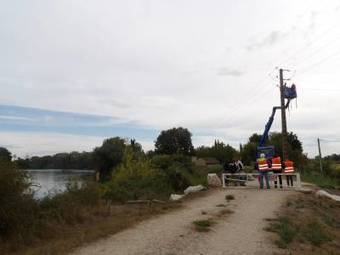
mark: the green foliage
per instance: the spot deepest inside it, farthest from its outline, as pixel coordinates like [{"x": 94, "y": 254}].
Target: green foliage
[
  {"x": 174, "y": 141},
  {"x": 17, "y": 208},
  {"x": 220, "y": 151},
  {"x": 330, "y": 178},
  {"x": 333, "y": 157},
  {"x": 135, "y": 179},
  {"x": 23, "y": 218},
  {"x": 109, "y": 155},
  {"x": 69, "y": 206},
  {"x": 295, "y": 151},
  {"x": 294, "y": 147},
  {"x": 285, "y": 229},
  {"x": 248, "y": 153},
  {"x": 5, "y": 154},
  {"x": 179, "y": 170},
  {"x": 73, "y": 160}
]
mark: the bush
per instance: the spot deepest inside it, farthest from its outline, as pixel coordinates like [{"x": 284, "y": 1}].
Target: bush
[
  {"x": 179, "y": 170},
  {"x": 58, "y": 207},
  {"x": 136, "y": 179},
  {"x": 17, "y": 207}
]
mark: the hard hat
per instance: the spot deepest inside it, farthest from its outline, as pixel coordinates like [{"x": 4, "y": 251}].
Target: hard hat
[{"x": 262, "y": 155}]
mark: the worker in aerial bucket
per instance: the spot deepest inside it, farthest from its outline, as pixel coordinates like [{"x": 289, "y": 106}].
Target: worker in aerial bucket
[{"x": 263, "y": 168}]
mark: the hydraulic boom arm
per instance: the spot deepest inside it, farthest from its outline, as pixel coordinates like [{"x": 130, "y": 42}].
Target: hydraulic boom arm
[{"x": 264, "y": 136}]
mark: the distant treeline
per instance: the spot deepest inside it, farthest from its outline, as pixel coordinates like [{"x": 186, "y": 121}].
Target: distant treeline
[
  {"x": 73, "y": 160},
  {"x": 333, "y": 157}
]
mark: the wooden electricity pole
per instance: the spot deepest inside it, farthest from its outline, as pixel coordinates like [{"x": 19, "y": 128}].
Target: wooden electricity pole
[
  {"x": 283, "y": 119},
  {"x": 320, "y": 157}
]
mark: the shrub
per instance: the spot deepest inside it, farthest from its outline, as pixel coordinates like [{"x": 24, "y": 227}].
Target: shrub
[
  {"x": 135, "y": 179},
  {"x": 17, "y": 207},
  {"x": 179, "y": 170}
]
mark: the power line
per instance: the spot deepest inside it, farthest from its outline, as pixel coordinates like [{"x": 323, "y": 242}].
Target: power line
[
  {"x": 309, "y": 68},
  {"x": 308, "y": 45}
]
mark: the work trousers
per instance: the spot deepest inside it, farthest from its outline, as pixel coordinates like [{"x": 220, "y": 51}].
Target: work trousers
[
  {"x": 280, "y": 181},
  {"x": 289, "y": 180},
  {"x": 266, "y": 177}
]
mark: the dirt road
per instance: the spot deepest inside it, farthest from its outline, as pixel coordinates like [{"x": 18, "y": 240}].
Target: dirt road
[{"x": 240, "y": 232}]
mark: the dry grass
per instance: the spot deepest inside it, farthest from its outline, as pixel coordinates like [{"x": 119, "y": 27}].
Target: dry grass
[
  {"x": 100, "y": 221},
  {"x": 224, "y": 212},
  {"x": 307, "y": 225},
  {"x": 203, "y": 225}
]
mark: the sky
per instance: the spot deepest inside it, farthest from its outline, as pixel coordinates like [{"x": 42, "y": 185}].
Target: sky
[{"x": 74, "y": 72}]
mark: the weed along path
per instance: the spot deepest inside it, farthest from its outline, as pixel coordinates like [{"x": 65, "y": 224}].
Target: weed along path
[{"x": 205, "y": 225}]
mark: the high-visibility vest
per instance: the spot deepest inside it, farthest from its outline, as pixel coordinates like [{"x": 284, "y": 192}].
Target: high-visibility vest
[
  {"x": 289, "y": 166},
  {"x": 262, "y": 164},
  {"x": 276, "y": 164}
]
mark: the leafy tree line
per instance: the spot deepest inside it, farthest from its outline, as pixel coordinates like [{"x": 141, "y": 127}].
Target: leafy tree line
[
  {"x": 169, "y": 142},
  {"x": 333, "y": 157},
  {"x": 295, "y": 150},
  {"x": 73, "y": 160}
]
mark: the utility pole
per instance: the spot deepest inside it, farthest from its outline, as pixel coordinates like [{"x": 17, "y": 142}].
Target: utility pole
[
  {"x": 283, "y": 119},
  {"x": 320, "y": 156}
]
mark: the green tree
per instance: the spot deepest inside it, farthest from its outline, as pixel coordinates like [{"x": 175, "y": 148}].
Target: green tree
[
  {"x": 295, "y": 150},
  {"x": 5, "y": 154},
  {"x": 108, "y": 156},
  {"x": 222, "y": 152},
  {"x": 174, "y": 141}
]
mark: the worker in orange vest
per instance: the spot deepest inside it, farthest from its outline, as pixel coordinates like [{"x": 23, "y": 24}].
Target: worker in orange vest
[
  {"x": 289, "y": 168},
  {"x": 263, "y": 168},
  {"x": 276, "y": 167}
]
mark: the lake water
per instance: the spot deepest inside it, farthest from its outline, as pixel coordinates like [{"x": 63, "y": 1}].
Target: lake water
[{"x": 53, "y": 181}]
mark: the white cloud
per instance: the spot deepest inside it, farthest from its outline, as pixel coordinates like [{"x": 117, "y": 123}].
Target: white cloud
[{"x": 154, "y": 62}]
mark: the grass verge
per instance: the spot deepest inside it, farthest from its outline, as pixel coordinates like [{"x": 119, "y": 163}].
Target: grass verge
[
  {"x": 59, "y": 237},
  {"x": 307, "y": 225}
]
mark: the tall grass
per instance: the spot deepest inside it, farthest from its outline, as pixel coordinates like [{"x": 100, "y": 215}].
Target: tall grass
[
  {"x": 329, "y": 178},
  {"x": 323, "y": 181}
]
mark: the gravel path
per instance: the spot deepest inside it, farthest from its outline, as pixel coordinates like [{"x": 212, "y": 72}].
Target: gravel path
[{"x": 240, "y": 232}]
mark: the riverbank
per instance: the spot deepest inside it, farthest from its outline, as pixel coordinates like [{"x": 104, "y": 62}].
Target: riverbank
[{"x": 76, "y": 217}]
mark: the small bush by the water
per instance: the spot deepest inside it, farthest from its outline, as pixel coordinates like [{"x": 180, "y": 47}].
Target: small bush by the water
[
  {"x": 23, "y": 219},
  {"x": 17, "y": 208}
]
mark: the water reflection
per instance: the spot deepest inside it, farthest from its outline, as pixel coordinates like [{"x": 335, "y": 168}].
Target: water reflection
[{"x": 53, "y": 181}]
